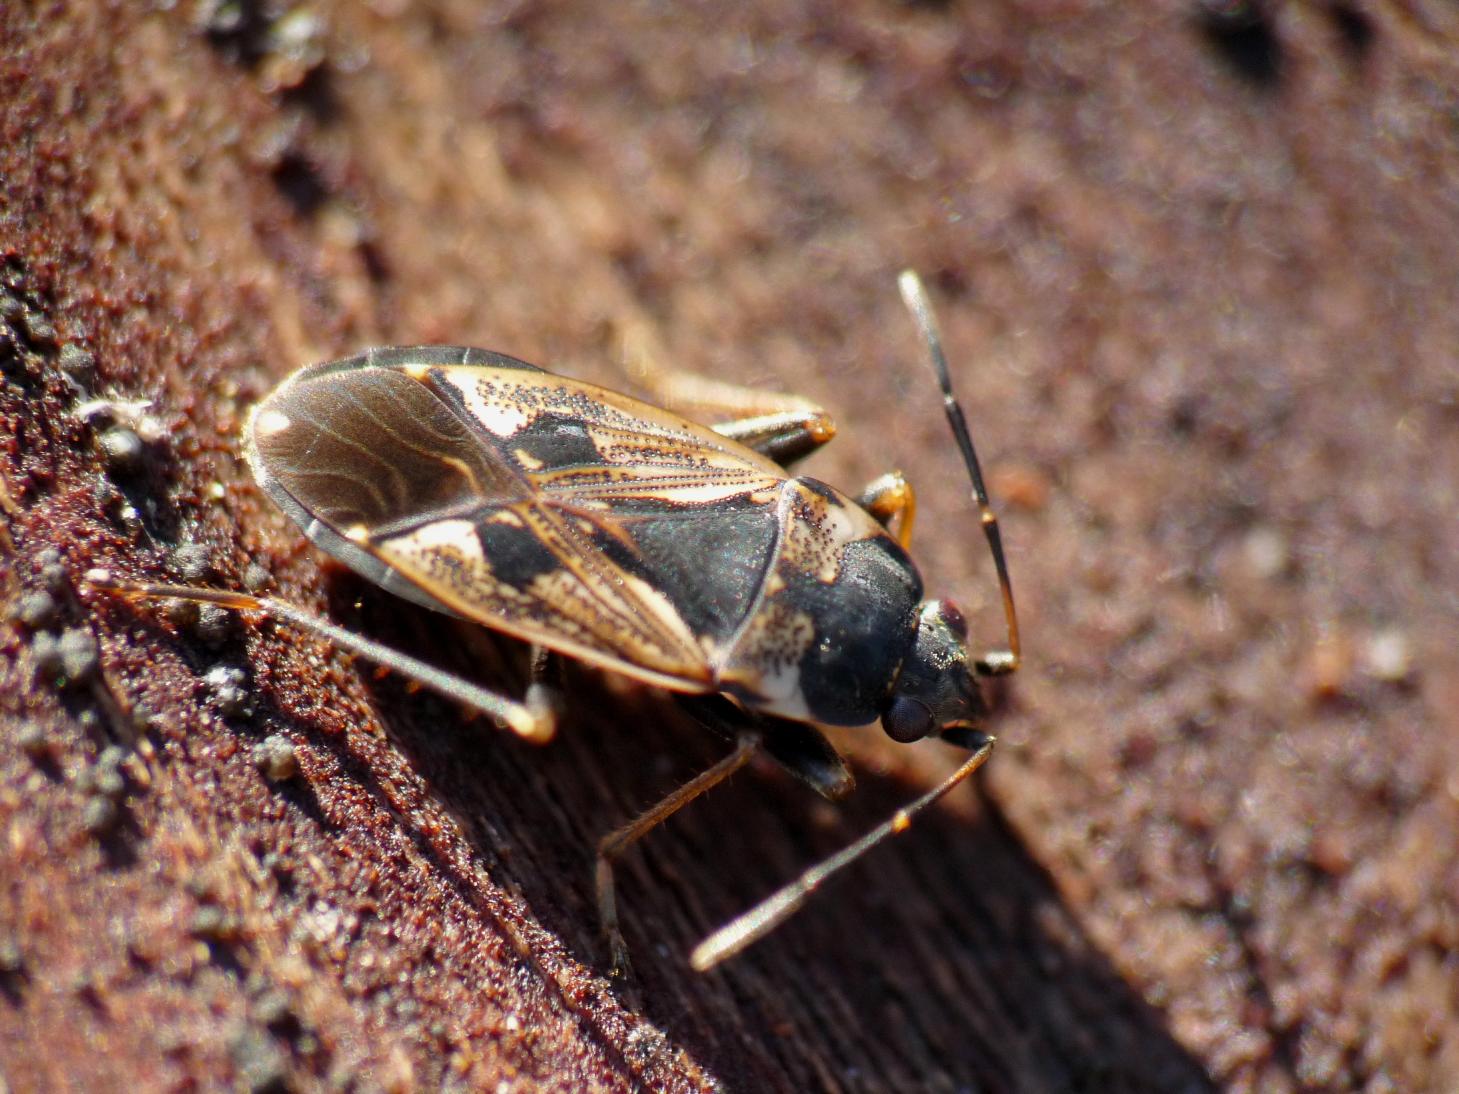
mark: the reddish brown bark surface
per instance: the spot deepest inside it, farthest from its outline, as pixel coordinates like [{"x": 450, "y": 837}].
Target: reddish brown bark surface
[{"x": 1197, "y": 275}]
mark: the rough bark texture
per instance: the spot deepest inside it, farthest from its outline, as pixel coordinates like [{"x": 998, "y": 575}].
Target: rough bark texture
[{"x": 1197, "y": 269}]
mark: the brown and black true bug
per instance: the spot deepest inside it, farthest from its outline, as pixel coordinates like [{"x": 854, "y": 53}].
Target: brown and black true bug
[{"x": 606, "y": 529}]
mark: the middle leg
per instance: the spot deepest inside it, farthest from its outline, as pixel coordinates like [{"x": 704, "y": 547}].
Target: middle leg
[{"x": 889, "y": 498}]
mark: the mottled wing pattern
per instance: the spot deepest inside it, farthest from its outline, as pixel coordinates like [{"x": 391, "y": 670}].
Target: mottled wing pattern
[{"x": 551, "y": 509}]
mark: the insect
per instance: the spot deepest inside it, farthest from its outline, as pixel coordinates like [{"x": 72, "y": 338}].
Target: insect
[{"x": 598, "y": 527}]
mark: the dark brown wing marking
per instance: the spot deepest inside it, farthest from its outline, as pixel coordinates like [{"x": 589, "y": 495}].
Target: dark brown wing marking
[{"x": 526, "y": 570}]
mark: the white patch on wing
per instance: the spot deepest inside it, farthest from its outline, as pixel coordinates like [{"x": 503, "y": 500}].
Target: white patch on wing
[
  {"x": 817, "y": 530},
  {"x": 701, "y": 492},
  {"x": 498, "y": 415},
  {"x": 457, "y": 537},
  {"x": 842, "y": 530}
]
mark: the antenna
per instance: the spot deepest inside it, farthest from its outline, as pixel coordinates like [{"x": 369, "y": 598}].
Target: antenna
[
  {"x": 995, "y": 662},
  {"x": 760, "y": 920}
]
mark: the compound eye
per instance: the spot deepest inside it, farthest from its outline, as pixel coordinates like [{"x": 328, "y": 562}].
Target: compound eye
[
  {"x": 907, "y": 720},
  {"x": 952, "y": 615}
]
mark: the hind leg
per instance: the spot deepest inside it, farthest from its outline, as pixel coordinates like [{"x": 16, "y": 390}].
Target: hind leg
[
  {"x": 783, "y": 427},
  {"x": 615, "y": 843}
]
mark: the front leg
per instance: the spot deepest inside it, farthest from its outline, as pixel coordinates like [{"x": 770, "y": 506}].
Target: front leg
[
  {"x": 798, "y": 747},
  {"x": 785, "y": 436},
  {"x": 889, "y": 498}
]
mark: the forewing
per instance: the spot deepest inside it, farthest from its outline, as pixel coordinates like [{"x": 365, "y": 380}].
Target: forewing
[{"x": 471, "y": 482}]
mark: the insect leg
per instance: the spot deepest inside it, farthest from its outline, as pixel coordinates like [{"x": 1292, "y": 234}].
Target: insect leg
[
  {"x": 783, "y": 427},
  {"x": 889, "y": 498},
  {"x": 798, "y": 747},
  {"x": 611, "y": 846},
  {"x": 784, "y": 436},
  {"x": 534, "y": 721},
  {"x": 544, "y": 688},
  {"x": 775, "y": 909}
]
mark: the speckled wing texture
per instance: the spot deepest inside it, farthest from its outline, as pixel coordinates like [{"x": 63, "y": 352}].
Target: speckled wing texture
[{"x": 591, "y": 523}]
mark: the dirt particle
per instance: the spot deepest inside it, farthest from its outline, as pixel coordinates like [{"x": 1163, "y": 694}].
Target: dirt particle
[
  {"x": 1021, "y": 485},
  {"x": 1328, "y": 666},
  {"x": 193, "y": 563},
  {"x": 214, "y": 923},
  {"x": 262, "y": 1065},
  {"x": 78, "y": 365},
  {"x": 1267, "y": 553},
  {"x": 36, "y": 610},
  {"x": 214, "y": 624},
  {"x": 108, "y": 779},
  {"x": 229, "y": 688},
  {"x": 12, "y": 961},
  {"x": 52, "y": 570},
  {"x": 1388, "y": 656},
  {"x": 34, "y": 741},
  {"x": 38, "y": 328},
  {"x": 99, "y": 815},
  {"x": 122, "y": 449},
  {"x": 276, "y": 758},
  {"x": 68, "y": 660}
]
